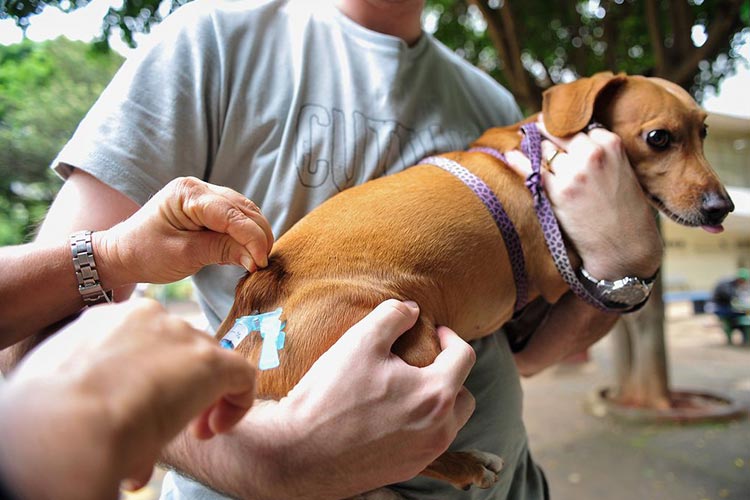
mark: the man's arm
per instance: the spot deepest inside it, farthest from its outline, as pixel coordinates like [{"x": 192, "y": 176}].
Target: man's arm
[
  {"x": 604, "y": 213},
  {"x": 53, "y": 403},
  {"x": 186, "y": 225},
  {"x": 38, "y": 287},
  {"x": 570, "y": 327}
]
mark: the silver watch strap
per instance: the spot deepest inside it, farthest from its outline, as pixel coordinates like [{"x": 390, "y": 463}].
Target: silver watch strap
[{"x": 89, "y": 285}]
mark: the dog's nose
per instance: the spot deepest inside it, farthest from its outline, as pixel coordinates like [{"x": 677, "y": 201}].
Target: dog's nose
[{"x": 716, "y": 206}]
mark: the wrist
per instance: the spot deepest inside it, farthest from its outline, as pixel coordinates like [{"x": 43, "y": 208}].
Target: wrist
[
  {"x": 608, "y": 266},
  {"x": 637, "y": 256},
  {"x": 114, "y": 271}
]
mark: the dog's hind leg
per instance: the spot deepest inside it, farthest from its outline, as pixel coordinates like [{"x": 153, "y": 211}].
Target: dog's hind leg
[
  {"x": 464, "y": 469},
  {"x": 419, "y": 346}
]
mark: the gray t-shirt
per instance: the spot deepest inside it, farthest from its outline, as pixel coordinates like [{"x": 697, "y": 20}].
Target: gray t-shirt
[{"x": 290, "y": 102}]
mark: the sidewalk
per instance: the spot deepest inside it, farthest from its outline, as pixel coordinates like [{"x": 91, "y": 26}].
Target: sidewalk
[{"x": 586, "y": 457}]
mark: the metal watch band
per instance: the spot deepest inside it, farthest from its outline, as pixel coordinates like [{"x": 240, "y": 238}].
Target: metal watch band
[
  {"x": 89, "y": 285},
  {"x": 627, "y": 294}
]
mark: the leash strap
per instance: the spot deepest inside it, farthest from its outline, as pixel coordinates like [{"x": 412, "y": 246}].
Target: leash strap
[
  {"x": 503, "y": 222},
  {"x": 531, "y": 146},
  {"x": 490, "y": 151}
]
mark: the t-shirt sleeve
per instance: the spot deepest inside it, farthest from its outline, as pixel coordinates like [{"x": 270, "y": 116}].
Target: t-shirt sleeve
[{"x": 159, "y": 118}]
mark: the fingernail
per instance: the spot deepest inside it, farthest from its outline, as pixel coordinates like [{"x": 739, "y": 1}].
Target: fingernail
[
  {"x": 411, "y": 304},
  {"x": 247, "y": 263},
  {"x": 130, "y": 485}
]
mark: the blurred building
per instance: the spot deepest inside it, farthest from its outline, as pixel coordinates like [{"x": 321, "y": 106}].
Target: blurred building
[{"x": 696, "y": 259}]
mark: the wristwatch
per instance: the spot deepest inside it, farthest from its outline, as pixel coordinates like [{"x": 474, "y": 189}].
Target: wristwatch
[
  {"x": 89, "y": 285},
  {"x": 625, "y": 295}
]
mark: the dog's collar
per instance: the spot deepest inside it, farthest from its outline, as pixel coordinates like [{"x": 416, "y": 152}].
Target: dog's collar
[
  {"x": 531, "y": 146},
  {"x": 503, "y": 222}
]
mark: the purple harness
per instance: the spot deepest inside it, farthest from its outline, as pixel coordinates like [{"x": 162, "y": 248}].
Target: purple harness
[
  {"x": 531, "y": 146},
  {"x": 503, "y": 222}
]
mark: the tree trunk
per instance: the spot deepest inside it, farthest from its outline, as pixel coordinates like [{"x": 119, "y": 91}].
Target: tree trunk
[{"x": 641, "y": 357}]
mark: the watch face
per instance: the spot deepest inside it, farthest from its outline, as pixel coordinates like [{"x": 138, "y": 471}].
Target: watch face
[{"x": 629, "y": 293}]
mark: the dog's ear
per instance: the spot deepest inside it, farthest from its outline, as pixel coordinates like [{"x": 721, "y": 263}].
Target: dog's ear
[{"x": 569, "y": 107}]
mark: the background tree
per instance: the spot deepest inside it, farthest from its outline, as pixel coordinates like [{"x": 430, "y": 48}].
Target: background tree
[
  {"x": 532, "y": 44},
  {"x": 529, "y": 46},
  {"x": 45, "y": 90}
]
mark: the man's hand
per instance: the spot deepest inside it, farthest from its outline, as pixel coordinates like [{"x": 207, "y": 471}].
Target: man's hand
[
  {"x": 360, "y": 405},
  {"x": 112, "y": 389},
  {"x": 359, "y": 419},
  {"x": 599, "y": 203},
  {"x": 187, "y": 225}
]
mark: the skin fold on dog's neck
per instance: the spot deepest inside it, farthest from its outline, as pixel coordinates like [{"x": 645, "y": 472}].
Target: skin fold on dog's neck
[{"x": 400, "y": 18}]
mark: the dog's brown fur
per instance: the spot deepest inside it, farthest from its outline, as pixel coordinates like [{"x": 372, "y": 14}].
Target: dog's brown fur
[{"x": 422, "y": 235}]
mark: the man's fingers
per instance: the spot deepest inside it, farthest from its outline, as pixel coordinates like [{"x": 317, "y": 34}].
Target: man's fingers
[
  {"x": 560, "y": 142},
  {"x": 140, "y": 477},
  {"x": 232, "y": 393},
  {"x": 248, "y": 207},
  {"x": 387, "y": 322},
  {"x": 228, "y": 411},
  {"x": 208, "y": 208},
  {"x": 464, "y": 407},
  {"x": 518, "y": 162},
  {"x": 457, "y": 357}
]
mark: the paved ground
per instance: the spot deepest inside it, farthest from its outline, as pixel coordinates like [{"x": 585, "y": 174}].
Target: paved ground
[
  {"x": 590, "y": 458},
  {"x": 586, "y": 457}
]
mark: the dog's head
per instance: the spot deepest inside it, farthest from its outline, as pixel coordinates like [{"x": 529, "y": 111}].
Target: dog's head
[{"x": 662, "y": 129}]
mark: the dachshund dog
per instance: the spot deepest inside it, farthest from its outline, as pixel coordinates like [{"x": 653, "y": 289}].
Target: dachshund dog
[{"x": 422, "y": 235}]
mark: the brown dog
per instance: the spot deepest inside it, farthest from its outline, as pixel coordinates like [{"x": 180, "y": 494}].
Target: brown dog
[{"x": 405, "y": 236}]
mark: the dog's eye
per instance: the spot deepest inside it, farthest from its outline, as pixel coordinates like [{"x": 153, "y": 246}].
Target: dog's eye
[
  {"x": 659, "y": 139},
  {"x": 704, "y": 131}
]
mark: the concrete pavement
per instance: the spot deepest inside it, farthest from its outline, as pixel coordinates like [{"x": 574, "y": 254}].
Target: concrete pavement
[{"x": 586, "y": 457}]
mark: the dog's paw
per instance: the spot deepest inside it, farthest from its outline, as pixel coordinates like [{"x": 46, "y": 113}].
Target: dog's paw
[
  {"x": 464, "y": 469},
  {"x": 491, "y": 465}
]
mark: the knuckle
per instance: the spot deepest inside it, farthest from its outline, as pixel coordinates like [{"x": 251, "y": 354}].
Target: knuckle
[
  {"x": 614, "y": 141},
  {"x": 145, "y": 308},
  {"x": 439, "y": 403},
  {"x": 397, "y": 305},
  {"x": 147, "y": 304},
  {"x": 250, "y": 205},
  {"x": 205, "y": 352},
  {"x": 469, "y": 356},
  {"x": 235, "y": 216},
  {"x": 597, "y": 155},
  {"x": 184, "y": 184}
]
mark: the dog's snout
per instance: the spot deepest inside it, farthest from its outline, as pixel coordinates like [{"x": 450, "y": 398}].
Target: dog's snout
[{"x": 716, "y": 206}]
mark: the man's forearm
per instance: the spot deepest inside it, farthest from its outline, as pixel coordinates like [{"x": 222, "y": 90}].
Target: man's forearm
[
  {"x": 570, "y": 327},
  {"x": 242, "y": 463},
  {"x": 38, "y": 289}
]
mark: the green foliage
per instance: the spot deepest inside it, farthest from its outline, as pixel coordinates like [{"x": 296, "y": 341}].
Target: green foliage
[
  {"x": 45, "y": 90},
  {"x": 559, "y": 41},
  {"x": 179, "y": 291},
  {"x": 133, "y": 16}
]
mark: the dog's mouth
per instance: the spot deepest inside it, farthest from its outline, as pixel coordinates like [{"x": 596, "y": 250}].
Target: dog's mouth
[{"x": 692, "y": 221}]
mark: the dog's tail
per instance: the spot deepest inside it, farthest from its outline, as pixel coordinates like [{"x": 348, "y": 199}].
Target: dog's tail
[{"x": 261, "y": 291}]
